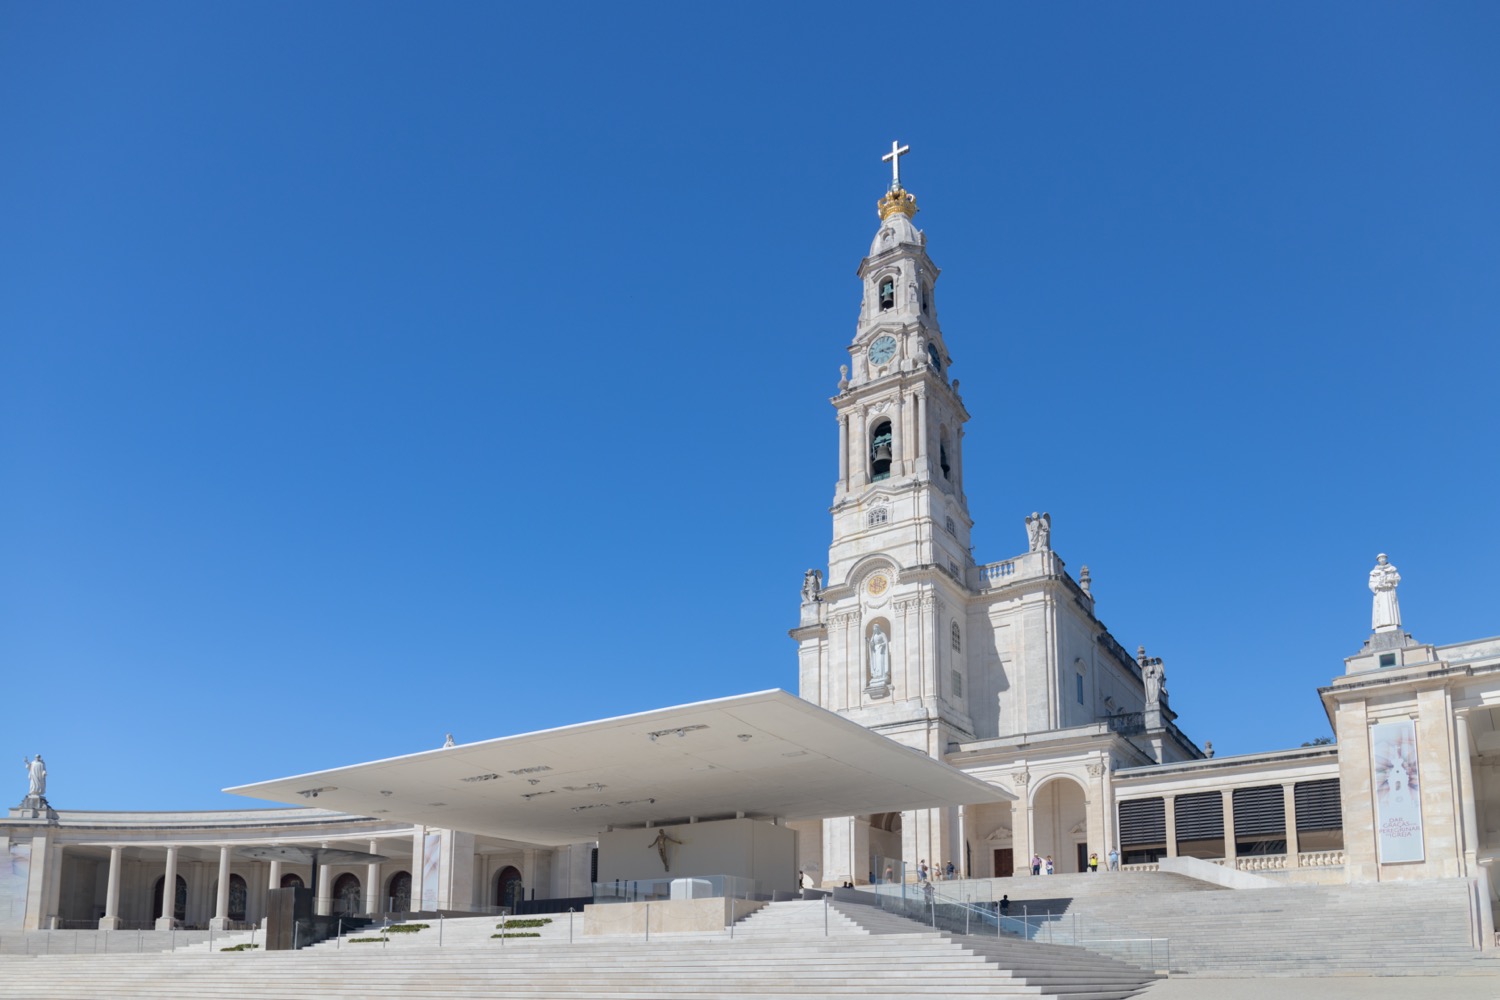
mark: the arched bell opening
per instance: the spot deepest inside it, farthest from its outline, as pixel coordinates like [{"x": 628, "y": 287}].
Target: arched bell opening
[
  {"x": 887, "y": 292},
  {"x": 943, "y": 461},
  {"x": 880, "y": 452}
]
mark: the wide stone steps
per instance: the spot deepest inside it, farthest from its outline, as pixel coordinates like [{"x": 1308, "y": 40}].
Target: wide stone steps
[{"x": 898, "y": 960}]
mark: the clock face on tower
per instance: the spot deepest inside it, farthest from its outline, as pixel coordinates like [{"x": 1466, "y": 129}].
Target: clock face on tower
[{"x": 882, "y": 350}]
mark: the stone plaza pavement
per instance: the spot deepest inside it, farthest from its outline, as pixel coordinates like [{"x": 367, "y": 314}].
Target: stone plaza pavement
[{"x": 1327, "y": 988}]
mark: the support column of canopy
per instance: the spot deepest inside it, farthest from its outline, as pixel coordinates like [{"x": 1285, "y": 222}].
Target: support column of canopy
[
  {"x": 1021, "y": 839},
  {"x": 1467, "y": 793},
  {"x": 168, "y": 892},
  {"x": 323, "y": 904},
  {"x": 220, "y": 919},
  {"x": 372, "y": 884},
  {"x": 111, "y": 919}
]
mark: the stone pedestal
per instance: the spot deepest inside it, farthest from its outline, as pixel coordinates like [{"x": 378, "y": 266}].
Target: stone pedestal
[{"x": 34, "y": 807}]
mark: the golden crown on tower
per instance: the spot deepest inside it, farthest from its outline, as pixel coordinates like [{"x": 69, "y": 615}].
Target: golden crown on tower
[{"x": 897, "y": 199}]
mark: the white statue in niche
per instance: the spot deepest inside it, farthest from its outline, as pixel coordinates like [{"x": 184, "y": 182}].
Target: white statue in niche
[
  {"x": 1386, "y": 614},
  {"x": 1039, "y": 531},
  {"x": 880, "y": 657}
]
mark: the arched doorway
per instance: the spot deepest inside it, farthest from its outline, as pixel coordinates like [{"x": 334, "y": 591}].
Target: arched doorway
[
  {"x": 509, "y": 890},
  {"x": 346, "y": 894},
  {"x": 885, "y": 847},
  {"x": 398, "y": 892},
  {"x": 290, "y": 881},
  {"x": 179, "y": 908},
  {"x": 239, "y": 898},
  {"x": 1059, "y": 823}
]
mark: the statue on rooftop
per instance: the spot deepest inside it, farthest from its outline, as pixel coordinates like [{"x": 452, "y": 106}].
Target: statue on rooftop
[
  {"x": 1385, "y": 616},
  {"x": 1039, "y": 531},
  {"x": 36, "y": 772}
]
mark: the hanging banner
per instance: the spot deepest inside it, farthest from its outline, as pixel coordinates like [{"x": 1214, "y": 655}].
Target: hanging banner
[
  {"x": 1398, "y": 791},
  {"x": 432, "y": 854}
]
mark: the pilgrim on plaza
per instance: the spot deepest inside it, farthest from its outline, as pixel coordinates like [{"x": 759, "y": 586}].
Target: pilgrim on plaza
[{"x": 948, "y": 711}]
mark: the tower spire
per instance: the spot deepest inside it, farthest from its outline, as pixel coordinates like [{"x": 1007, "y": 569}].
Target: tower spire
[{"x": 897, "y": 199}]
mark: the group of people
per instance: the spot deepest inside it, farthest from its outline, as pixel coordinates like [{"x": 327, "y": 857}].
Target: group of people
[{"x": 1041, "y": 865}]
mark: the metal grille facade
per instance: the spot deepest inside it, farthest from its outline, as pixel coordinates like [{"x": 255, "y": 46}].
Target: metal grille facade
[
  {"x": 1142, "y": 821},
  {"x": 1200, "y": 816},
  {"x": 1259, "y": 810},
  {"x": 1318, "y": 806}
]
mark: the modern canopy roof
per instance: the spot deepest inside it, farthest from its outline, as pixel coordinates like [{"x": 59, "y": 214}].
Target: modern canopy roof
[{"x": 769, "y": 754}]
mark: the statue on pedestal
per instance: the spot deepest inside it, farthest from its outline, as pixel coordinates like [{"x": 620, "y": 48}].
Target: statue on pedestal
[
  {"x": 1385, "y": 616},
  {"x": 1039, "y": 532},
  {"x": 36, "y": 773},
  {"x": 812, "y": 586},
  {"x": 880, "y": 658}
]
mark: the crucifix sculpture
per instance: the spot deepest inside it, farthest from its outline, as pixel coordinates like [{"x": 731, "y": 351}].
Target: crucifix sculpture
[
  {"x": 894, "y": 157},
  {"x": 660, "y": 843}
]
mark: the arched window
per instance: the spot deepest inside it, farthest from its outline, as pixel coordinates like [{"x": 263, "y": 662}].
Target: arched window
[
  {"x": 880, "y": 452},
  {"x": 887, "y": 292},
  {"x": 924, "y": 293},
  {"x": 509, "y": 890},
  {"x": 935, "y": 358},
  {"x": 290, "y": 881},
  {"x": 346, "y": 894},
  {"x": 239, "y": 895},
  {"x": 949, "y": 525},
  {"x": 398, "y": 892},
  {"x": 943, "y": 454},
  {"x": 880, "y": 515},
  {"x": 956, "y": 636}
]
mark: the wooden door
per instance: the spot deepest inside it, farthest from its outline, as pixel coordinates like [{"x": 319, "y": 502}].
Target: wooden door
[{"x": 1005, "y": 862}]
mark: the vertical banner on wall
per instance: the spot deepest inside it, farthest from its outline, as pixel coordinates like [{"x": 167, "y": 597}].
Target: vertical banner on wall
[
  {"x": 15, "y": 871},
  {"x": 432, "y": 854},
  {"x": 1398, "y": 792}
]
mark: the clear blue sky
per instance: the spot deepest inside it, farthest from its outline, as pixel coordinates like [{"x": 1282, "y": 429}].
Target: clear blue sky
[{"x": 375, "y": 371}]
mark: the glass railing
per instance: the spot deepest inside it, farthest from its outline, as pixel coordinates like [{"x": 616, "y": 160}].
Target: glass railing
[{"x": 684, "y": 887}]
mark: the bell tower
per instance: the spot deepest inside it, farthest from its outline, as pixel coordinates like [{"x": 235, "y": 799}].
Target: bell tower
[{"x": 882, "y": 643}]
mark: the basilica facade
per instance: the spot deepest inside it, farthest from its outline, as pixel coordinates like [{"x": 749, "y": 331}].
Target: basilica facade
[{"x": 1000, "y": 669}]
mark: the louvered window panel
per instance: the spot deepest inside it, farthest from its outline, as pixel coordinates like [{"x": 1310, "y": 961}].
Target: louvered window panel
[
  {"x": 1142, "y": 821},
  {"x": 1200, "y": 817},
  {"x": 1318, "y": 805},
  {"x": 1259, "y": 810}
]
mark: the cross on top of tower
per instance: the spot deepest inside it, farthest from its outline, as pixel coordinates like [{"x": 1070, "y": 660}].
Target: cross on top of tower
[{"x": 894, "y": 157}]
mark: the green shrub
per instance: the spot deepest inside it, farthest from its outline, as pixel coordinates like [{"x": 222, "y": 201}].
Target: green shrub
[
  {"x": 406, "y": 928},
  {"x": 364, "y": 940},
  {"x": 247, "y": 946},
  {"x": 525, "y": 922},
  {"x": 517, "y": 934}
]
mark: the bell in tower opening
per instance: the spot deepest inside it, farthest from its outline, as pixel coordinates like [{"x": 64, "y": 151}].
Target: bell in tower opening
[
  {"x": 880, "y": 452},
  {"x": 887, "y": 293}
]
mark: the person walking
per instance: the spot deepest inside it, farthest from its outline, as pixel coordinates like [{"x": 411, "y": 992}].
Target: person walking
[
  {"x": 1049, "y": 864},
  {"x": 1036, "y": 864},
  {"x": 1094, "y": 863},
  {"x": 1005, "y": 905},
  {"x": 1114, "y": 859},
  {"x": 922, "y": 871},
  {"x": 950, "y": 871}
]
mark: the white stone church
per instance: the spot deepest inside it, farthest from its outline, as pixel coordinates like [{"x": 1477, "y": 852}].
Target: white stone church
[{"x": 998, "y": 670}]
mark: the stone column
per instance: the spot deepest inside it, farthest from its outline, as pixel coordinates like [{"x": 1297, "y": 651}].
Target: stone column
[
  {"x": 111, "y": 919},
  {"x": 221, "y": 897},
  {"x": 168, "y": 892},
  {"x": 1096, "y": 811},
  {"x": 1289, "y": 809},
  {"x": 1229, "y": 851},
  {"x": 1467, "y": 794},
  {"x": 372, "y": 883},
  {"x": 843, "y": 452},
  {"x": 859, "y": 473},
  {"x": 1169, "y": 812},
  {"x": 323, "y": 905},
  {"x": 274, "y": 880},
  {"x": 921, "y": 426},
  {"x": 1021, "y": 839}
]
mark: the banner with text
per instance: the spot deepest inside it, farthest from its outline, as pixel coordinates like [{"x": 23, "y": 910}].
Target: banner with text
[{"x": 1398, "y": 791}]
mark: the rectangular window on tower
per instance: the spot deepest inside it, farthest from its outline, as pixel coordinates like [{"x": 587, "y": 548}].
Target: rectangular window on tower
[
  {"x": 958, "y": 684},
  {"x": 1079, "y": 678}
]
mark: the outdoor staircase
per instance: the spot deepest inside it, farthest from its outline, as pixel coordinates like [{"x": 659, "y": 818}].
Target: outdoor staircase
[
  {"x": 1408, "y": 928},
  {"x": 780, "y": 951}
]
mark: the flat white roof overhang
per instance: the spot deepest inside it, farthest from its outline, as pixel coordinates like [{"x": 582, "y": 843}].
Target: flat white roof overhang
[{"x": 764, "y": 755}]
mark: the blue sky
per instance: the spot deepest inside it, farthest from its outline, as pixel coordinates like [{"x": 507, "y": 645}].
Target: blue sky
[{"x": 374, "y": 371}]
